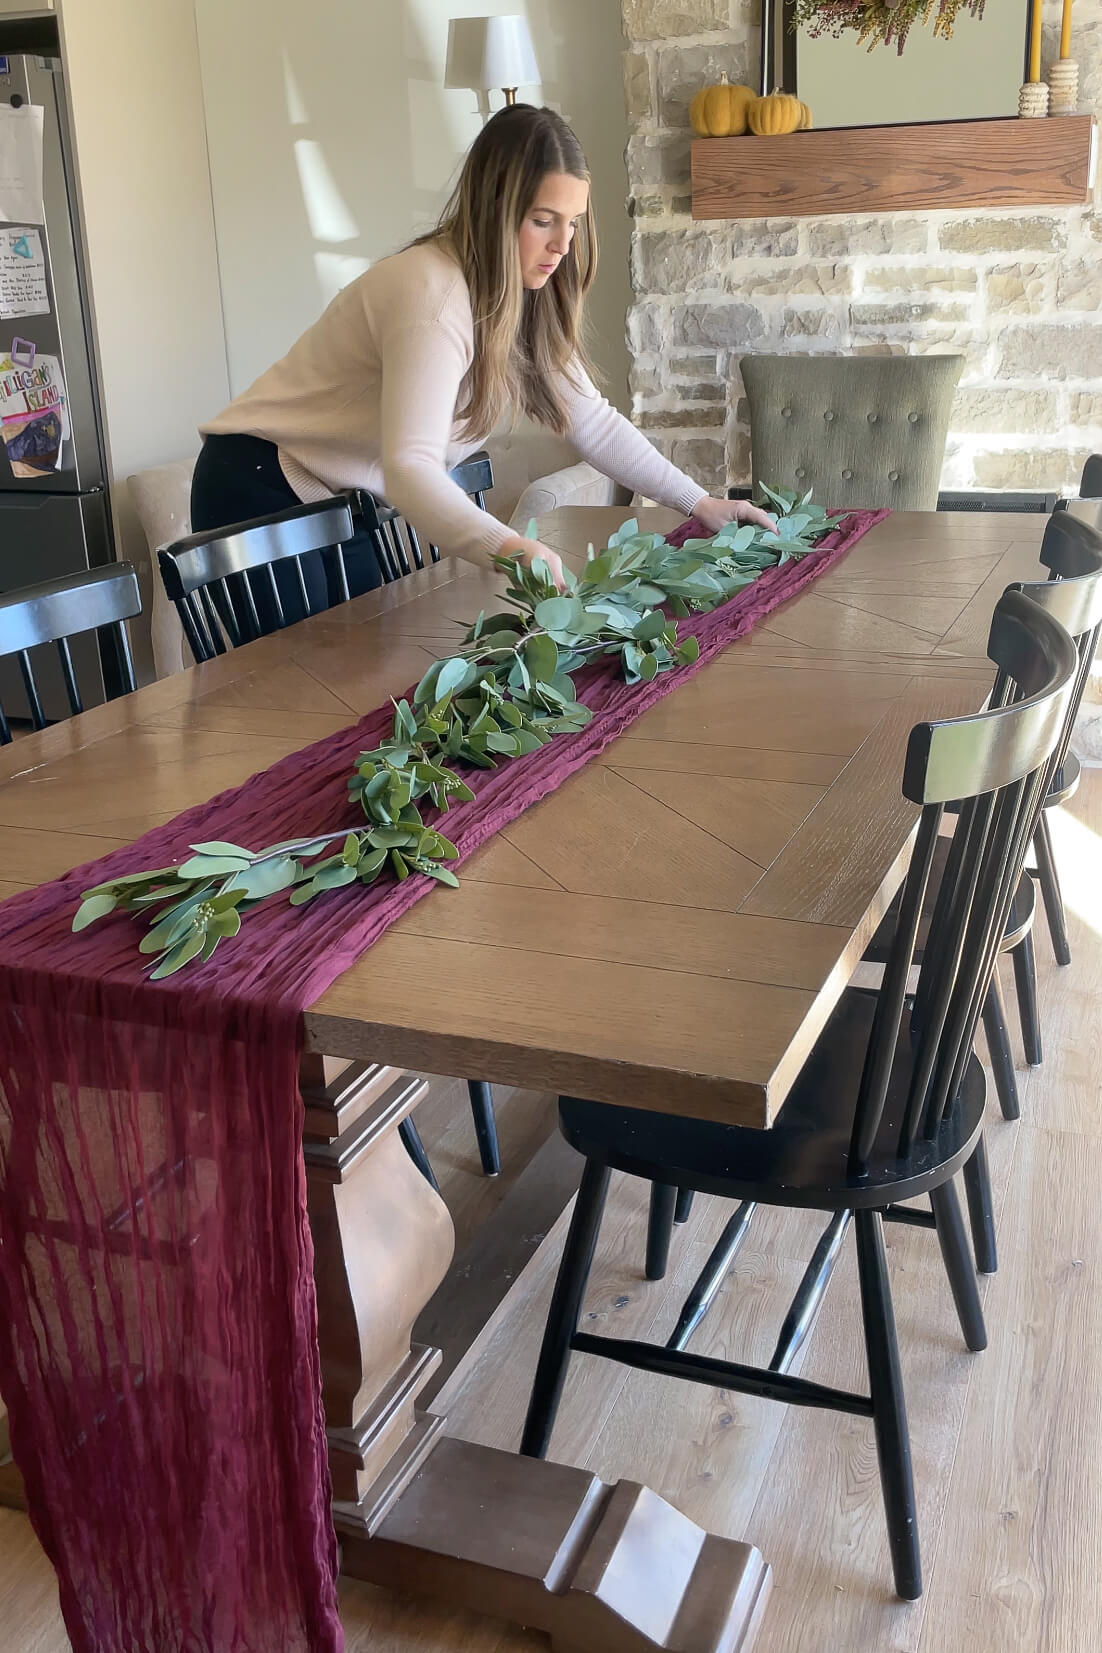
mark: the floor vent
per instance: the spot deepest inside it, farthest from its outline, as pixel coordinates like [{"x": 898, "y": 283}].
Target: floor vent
[{"x": 1042, "y": 504}]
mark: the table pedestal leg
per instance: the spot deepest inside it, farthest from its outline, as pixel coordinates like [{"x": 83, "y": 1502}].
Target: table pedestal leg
[{"x": 604, "y": 1569}]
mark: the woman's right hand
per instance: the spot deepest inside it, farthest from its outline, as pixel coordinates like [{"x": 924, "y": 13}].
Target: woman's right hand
[{"x": 526, "y": 552}]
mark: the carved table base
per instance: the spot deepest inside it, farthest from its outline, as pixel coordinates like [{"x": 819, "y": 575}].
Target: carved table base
[{"x": 604, "y": 1569}]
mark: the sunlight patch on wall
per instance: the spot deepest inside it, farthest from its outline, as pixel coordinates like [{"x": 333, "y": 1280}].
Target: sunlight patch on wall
[
  {"x": 330, "y": 219},
  {"x": 297, "y": 112}
]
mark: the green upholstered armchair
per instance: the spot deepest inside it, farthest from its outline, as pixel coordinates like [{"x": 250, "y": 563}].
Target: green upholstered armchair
[{"x": 863, "y": 431}]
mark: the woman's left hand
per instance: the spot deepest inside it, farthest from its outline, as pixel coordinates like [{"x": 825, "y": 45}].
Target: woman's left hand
[{"x": 714, "y": 514}]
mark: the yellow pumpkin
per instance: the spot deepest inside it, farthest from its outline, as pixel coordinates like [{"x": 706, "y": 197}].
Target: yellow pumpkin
[
  {"x": 806, "y": 122},
  {"x": 720, "y": 111},
  {"x": 779, "y": 112}
]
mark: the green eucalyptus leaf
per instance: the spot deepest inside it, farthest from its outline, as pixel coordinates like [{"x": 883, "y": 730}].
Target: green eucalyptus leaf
[
  {"x": 233, "y": 850},
  {"x": 167, "y": 933},
  {"x": 176, "y": 957},
  {"x": 404, "y": 721},
  {"x": 225, "y": 899},
  {"x": 397, "y": 861},
  {"x": 225, "y": 925},
  {"x": 334, "y": 878},
  {"x": 212, "y": 866},
  {"x": 268, "y": 878},
  {"x": 557, "y": 613},
  {"x": 649, "y": 627},
  {"x": 425, "y": 693},
  {"x": 93, "y": 907},
  {"x": 390, "y": 837},
  {"x": 456, "y": 675},
  {"x": 443, "y": 875},
  {"x": 541, "y": 656}
]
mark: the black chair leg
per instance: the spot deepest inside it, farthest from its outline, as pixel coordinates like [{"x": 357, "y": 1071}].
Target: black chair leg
[
  {"x": 485, "y": 1125},
  {"x": 981, "y": 1211},
  {"x": 959, "y": 1265},
  {"x": 663, "y": 1205},
  {"x": 893, "y": 1447},
  {"x": 1049, "y": 880},
  {"x": 566, "y": 1305},
  {"x": 415, "y": 1148},
  {"x": 1025, "y": 981},
  {"x": 998, "y": 1047},
  {"x": 682, "y": 1211}
]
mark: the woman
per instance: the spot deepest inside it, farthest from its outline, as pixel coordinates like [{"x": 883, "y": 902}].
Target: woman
[{"x": 413, "y": 364}]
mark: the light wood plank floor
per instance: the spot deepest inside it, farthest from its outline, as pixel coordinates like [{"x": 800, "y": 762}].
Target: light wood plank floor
[{"x": 1007, "y": 1443}]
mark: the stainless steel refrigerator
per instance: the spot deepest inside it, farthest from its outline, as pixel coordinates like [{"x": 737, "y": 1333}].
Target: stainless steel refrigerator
[{"x": 54, "y": 508}]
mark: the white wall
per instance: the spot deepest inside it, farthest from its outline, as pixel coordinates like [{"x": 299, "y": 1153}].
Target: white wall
[
  {"x": 134, "y": 87},
  {"x": 133, "y": 68},
  {"x": 332, "y": 141}
]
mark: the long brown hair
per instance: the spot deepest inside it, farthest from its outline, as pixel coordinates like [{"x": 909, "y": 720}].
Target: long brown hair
[{"x": 523, "y": 339}]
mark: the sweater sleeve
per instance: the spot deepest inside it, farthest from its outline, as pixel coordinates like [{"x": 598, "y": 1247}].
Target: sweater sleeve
[
  {"x": 614, "y": 446},
  {"x": 423, "y": 366}
]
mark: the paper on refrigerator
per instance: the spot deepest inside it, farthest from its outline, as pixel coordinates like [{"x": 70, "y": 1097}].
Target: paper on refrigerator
[
  {"x": 21, "y": 164},
  {"x": 23, "y": 289},
  {"x": 34, "y": 415}
]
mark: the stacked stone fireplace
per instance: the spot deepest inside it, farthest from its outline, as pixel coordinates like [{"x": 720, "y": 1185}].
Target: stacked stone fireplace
[{"x": 1018, "y": 294}]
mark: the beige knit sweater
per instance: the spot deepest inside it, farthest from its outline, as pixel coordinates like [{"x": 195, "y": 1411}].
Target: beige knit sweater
[{"x": 367, "y": 399}]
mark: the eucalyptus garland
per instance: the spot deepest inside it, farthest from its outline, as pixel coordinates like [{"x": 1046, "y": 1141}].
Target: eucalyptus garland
[
  {"x": 506, "y": 691},
  {"x": 886, "y": 22}
]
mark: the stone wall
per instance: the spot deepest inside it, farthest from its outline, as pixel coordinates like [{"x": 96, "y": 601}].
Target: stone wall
[{"x": 1018, "y": 294}]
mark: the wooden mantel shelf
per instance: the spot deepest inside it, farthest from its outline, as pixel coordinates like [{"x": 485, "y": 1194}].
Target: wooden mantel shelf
[{"x": 999, "y": 163}]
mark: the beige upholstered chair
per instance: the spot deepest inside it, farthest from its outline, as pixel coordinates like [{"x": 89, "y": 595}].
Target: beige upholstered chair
[
  {"x": 534, "y": 472},
  {"x": 862, "y": 431}
]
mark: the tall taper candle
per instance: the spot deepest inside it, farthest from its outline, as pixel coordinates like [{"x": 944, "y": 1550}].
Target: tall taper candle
[
  {"x": 1035, "y": 44},
  {"x": 1065, "y": 30}
]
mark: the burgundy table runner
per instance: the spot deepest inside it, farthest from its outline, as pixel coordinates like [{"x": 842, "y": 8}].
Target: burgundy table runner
[{"x": 158, "y": 1340}]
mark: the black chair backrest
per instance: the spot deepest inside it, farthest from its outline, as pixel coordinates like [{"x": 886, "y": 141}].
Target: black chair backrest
[
  {"x": 396, "y": 543},
  {"x": 204, "y": 574},
  {"x": 996, "y": 765},
  {"x": 1072, "y": 594},
  {"x": 59, "y": 609},
  {"x": 1090, "y": 483},
  {"x": 1069, "y": 545}
]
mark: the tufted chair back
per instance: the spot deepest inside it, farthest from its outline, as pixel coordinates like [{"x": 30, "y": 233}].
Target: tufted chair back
[{"x": 863, "y": 431}]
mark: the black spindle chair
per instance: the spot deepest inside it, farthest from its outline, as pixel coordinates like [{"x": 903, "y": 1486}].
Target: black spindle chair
[
  {"x": 396, "y": 542},
  {"x": 57, "y": 610},
  {"x": 205, "y": 577},
  {"x": 1090, "y": 483},
  {"x": 1070, "y": 550},
  {"x": 889, "y": 1105}
]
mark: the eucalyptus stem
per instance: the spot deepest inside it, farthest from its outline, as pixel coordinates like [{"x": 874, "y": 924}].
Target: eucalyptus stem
[{"x": 506, "y": 692}]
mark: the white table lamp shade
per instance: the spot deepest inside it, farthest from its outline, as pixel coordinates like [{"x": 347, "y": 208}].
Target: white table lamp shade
[{"x": 488, "y": 53}]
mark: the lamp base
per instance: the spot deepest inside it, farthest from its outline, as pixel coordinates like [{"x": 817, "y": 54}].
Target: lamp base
[
  {"x": 1063, "y": 80},
  {"x": 1033, "y": 100},
  {"x": 510, "y": 96}
]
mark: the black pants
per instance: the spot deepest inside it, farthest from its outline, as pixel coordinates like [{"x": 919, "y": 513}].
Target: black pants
[{"x": 239, "y": 477}]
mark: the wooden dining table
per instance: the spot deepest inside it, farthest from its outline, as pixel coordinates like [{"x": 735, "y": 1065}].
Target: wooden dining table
[{"x": 670, "y": 929}]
